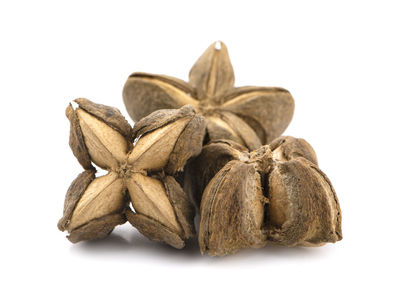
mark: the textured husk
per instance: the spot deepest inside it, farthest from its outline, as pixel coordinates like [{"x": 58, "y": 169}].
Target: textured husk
[
  {"x": 219, "y": 129},
  {"x": 203, "y": 168},
  {"x": 91, "y": 210},
  {"x": 106, "y": 146},
  {"x": 177, "y": 83},
  {"x": 97, "y": 228},
  {"x": 267, "y": 110},
  {"x": 304, "y": 209},
  {"x": 103, "y": 196},
  {"x": 188, "y": 145},
  {"x": 247, "y": 135},
  {"x": 153, "y": 149},
  {"x": 288, "y": 148},
  {"x": 251, "y": 116},
  {"x": 100, "y": 224},
  {"x": 154, "y": 230},
  {"x": 155, "y": 92},
  {"x": 173, "y": 135},
  {"x": 212, "y": 74},
  {"x": 74, "y": 193},
  {"x": 109, "y": 115},
  {"x": 300, "y": 204},
  {"x": 76, "y": 141},
  {"x": 183, "y": 208},
  {"x": 311, "y": 214},
  {"x": 163, "y": 201},
  {"x": 232, "y": 211},
  {"x": 160, "y": 118},
  {"x": 166, "y": 140},
  {"x": 149, "y": 198}
]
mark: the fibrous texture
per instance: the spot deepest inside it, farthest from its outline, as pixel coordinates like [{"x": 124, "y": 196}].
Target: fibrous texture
[
  {"x": 250, "y": 116},
  {"x": 250, "y": 186},
  {"x": 142, "y": 175},
  {"x": 276, "y": 194}
]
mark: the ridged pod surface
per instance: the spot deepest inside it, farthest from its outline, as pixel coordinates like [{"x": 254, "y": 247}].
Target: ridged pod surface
[
  {"x": 251, "y": 116},
  {"x": 142, "y": 174},
  {"x": 275, "y": 194}
]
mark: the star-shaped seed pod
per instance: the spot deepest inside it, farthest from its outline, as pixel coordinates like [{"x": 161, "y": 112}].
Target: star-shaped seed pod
[
  {"x": 251, "y": 116},
  {"x": 275, "y": 194},
  {"x": 144, "y": 175}
]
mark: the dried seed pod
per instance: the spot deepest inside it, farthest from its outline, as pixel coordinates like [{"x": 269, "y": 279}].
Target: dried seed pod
[
  {"x": 103, "y": 196},
  {"x": 109, "y": 115},
  {"x": 277, "y": 193},
  {"x": 142, "y": 175},
  {"x": 288, "y": 148},
  {"x": 163, "y": 212},
  {"x": 232, "y": 211},
  {"x": 303, "y": 209},
  {"x": 251, "y": 116},
  {"x": 154, "y": 230},
  {"x": 172, "y": 135},
  {"x": 106, "y": 146},
  {"x": 74, "y": 193},
  {"x": 76, "y": 141},
  {"x": 168, "y": 138},
  {"x": 212, "y": 159}
]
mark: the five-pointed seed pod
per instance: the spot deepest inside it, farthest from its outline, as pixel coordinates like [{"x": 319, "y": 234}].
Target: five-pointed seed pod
[
  {"x": 143, "y": 175},
  {"x": 251, "y": 116},
  {"x": 276, "y": 193}
]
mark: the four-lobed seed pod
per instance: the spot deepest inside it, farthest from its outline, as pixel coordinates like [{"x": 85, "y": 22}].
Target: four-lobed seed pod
[
  {"x": 144, "y": 174},
  {"x": 248, "y": 115},
  {"x": 274, "y": 194}
]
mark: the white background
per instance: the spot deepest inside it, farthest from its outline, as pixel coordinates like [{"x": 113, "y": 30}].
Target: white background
[{"x": 339, "y": 59}]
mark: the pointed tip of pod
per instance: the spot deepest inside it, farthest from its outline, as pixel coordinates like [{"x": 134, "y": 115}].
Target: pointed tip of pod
[
  {"x": 69, "y": 111},
  {"x": 76, "y": 140},
  {"x": 81, "y": 100},
  {"x": 288, "y": 148},
  {"x": 160, "y": 118},
  {"x": 154, "y": 230},
  {"x": 219, "y": 45},
  {"x": 108, "y": 114},
  {"x": 212, "y": 74},
  {"x": 187, "y": 109},
  {"x": 96, "y": 229}
]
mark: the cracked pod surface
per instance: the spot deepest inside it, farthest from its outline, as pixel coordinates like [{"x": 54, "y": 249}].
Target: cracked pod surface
[
  {"x": 143, "y": 175},
  {"x": 248, "y": 115},
  {"x": 276, "y": 194}
]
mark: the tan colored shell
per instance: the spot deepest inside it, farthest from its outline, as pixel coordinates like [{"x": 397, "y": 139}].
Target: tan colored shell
[
  {"x": 143, "y": 174},
  {"x": 298, "y": 203},
  {"x": 154, "y": 230},
  {"x": 304, "y": 209},
  {"x": 76, "y": 141},
  {"x": 74, "y": 193},
  {"x": 251, "y": 116},
  {"x": 232, "y": 211},
  {"x": 110, "y": 115},
  {"x": 212, "y": 159}
]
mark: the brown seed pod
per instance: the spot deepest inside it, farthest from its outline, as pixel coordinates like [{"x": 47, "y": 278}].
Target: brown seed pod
[
  {"x": 142, "y": 175},
  {"x": 212, "y": 159},
  {"x": 251, "y": 116},
  {"x": 232, "y": 210},
  {"x": 274, "y": 194}
]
